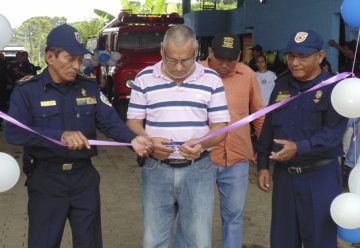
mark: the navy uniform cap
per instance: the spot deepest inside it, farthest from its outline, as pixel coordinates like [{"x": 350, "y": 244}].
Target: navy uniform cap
[
  {"x": 67, "y": 38},
  {"x": 305, "y": 42}
]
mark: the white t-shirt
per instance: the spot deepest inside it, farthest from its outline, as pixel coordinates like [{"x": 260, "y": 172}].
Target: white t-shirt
[{"x": 266, "y": 82}]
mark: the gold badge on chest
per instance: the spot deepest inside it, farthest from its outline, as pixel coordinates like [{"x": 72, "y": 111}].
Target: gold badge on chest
[{"x": 318, "y": 96}]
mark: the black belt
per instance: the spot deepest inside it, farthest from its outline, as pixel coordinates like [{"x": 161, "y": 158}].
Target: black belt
[
  {"x": 307, "y": 168},
  {"x": 179, "y": 163},
  {"x": 58, "y": 166}
]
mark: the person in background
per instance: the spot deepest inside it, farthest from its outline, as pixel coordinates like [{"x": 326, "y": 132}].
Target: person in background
[
  {"x": 179, "y": 101},
  {"x": 352, "y": 154},
  {"x": 326, "y": 66},
  {"x": 265, "y": 78},
  {"x": 3, "y": 88},
  {"x": 61, "y": 180},
  {"x": 255, "y": 52},
  {"x": 348, "y": 52},
  {"x": 304, "y": 139},
  {"x": 21, "y": 68}
]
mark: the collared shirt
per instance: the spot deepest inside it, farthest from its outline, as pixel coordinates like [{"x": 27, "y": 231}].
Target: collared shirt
[
  {"x": 178, "y": 111},
  {"x": 309, "y": 120},
  {"x": 244, "y": 97},
  {"x": 51, "y": 109}
]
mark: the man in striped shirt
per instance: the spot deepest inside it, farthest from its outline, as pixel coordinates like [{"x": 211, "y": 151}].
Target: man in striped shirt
[{"x": 177, "y": 102}]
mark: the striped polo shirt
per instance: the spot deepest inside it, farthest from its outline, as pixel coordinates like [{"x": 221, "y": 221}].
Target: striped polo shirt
[{"x": 178, "y": 112}]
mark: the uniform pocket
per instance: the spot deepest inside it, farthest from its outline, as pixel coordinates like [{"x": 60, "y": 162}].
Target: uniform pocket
[
  {"x": 279, "y": 115},
  {"x": 47, "y": 117},
  {"x": 85, "y": 118},
  {"x": 311, "y": 112}
]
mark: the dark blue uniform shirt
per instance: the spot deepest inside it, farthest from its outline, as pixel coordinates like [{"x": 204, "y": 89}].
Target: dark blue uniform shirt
[
  {"x": 309, "y": 120},
  {"x": 51, "y": 109}
]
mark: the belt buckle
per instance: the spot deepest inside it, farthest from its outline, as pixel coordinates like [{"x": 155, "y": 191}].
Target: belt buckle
[
  {"x": 67, "y": 167},
  {"x": 294, "y": 170}
]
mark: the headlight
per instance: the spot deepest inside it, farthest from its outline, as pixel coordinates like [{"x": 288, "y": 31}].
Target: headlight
[{"x": 129, "y": 83}]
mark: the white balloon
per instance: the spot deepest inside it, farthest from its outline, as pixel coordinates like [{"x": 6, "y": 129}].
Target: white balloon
[
  {"x": 345, "y": 210},
  {"x": 115, "y": 56},
  {"x": 345, "y": 97},
  {"x": 9, "y": 172},
  {"x": 5, "y": 31},
  {"x": 354, "y": 180}
]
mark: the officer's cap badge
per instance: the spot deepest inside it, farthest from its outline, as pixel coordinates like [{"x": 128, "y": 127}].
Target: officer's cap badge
[
  {"x": 78, "y": 37},
  {"x": 300, "y": 37}
]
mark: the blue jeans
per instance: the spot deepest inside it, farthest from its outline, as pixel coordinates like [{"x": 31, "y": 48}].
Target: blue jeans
[
  {"x": 354, "y": 149},
  {"x": 232, "y": 183},
  {"x": 187, "y": 192}
]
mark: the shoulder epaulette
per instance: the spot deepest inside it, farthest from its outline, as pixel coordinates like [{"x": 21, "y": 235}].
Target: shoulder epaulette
[{"x": 26, "y": 79}]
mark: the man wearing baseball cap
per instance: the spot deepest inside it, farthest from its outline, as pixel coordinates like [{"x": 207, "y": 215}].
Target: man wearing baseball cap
[
  {"x": 256, "y": 51},
  {"x": 62, "y": 105},
  {"x": 304, "y": 139},
  {"x": 232, "y": 156}
]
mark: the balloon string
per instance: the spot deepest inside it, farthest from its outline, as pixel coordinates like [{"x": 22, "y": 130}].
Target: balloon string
[{"x": 356, "y": 49}]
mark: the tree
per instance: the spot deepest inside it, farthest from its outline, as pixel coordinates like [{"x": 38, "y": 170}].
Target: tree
[{"x": 33, "y": 32}]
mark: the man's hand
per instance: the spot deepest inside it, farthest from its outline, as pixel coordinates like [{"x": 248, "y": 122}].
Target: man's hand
[
  {"x": 191, "y": 152},
  {"x": 288, "y": 152},
  {"x": 160, "y": 150},
  {"x": 263, "y": 180},
  {"x": 75, "y": 140},
  {"x": 142, "y": 145}
]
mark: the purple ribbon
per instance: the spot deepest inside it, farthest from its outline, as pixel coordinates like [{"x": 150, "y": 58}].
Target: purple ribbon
[
  {"x": 230, "y": 127},
  {"x": 272, "y": 107},
  {"x": 91, "y": 142}
]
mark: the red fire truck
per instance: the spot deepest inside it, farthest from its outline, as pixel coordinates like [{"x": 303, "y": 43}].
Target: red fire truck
[{"x": 137, "y": 38}]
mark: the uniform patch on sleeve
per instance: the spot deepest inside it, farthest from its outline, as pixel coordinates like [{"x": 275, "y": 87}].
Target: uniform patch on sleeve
[{"x": 104, "y": 99}]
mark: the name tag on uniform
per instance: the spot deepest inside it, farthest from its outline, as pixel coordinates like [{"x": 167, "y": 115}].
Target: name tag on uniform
[
  {"x": 48, "y": 103},
  {"x": 85, "y": 100},
  {"x": 282, "y": 96}
]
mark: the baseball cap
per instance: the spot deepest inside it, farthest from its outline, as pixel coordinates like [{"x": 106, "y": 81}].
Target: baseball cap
[
  {"x": 67, "y": 38},
  {"x": 226, "y": 46},
  {"x": 257, "y": 48},
  {"x": 306, "y": 42}
]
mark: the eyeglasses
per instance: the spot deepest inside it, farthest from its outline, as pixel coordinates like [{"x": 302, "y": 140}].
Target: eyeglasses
[
  {"x": 300, "y": 57},
  {"x": 183, "y": 62}
]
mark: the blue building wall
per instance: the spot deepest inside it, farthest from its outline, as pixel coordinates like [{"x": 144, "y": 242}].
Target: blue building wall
[{"x": 272, "y": 23}]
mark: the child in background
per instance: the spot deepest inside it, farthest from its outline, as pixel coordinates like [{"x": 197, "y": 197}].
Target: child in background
[{"x": 265, "y": 78}]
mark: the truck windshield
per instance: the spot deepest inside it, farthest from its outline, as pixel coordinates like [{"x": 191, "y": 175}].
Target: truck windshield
[{"x": 140, "y": 39}]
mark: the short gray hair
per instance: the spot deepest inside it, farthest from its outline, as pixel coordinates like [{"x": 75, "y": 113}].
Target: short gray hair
[{"x": 180, "y": 34}]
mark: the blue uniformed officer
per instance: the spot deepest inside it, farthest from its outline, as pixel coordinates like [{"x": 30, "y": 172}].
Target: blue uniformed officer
[
  {"x": 304, "y": 138},
  {"x": 62, "y": 182}
]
